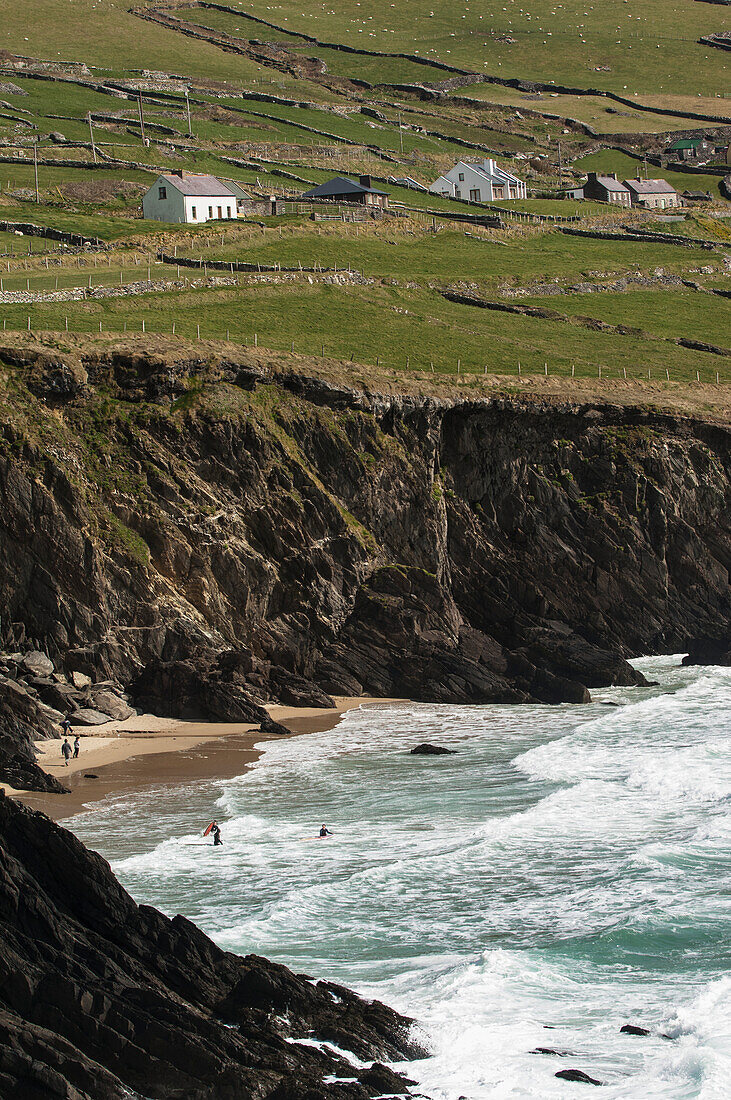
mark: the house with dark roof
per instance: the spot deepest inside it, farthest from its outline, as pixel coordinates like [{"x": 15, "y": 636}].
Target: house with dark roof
[
  {"x": 607, "y": 189},
  {"x": 653, "y": 194},
  {"x": 188, "y": 197},
  {"x": 342, "y": 189}
]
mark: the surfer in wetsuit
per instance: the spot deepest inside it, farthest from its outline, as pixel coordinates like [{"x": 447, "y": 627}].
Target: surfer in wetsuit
[
  {"x": 324, "y": 831},
  {"x": 216, "y": 834}
]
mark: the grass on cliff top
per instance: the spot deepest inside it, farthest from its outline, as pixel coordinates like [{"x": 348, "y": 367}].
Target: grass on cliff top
[{"x": 386, "y": 326}]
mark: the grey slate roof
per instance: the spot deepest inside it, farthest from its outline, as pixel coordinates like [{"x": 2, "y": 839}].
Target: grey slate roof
[
  {"x": 202, "y": 186},
  {"x": 610, "y": 183},
  {"x": 650, "y": 187},
  {"x": 237, "y": 189},
  {"x": 340, "y": 186}
]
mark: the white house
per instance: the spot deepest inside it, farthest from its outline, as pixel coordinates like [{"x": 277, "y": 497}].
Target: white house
[
  {"x": 483, "y": 181},
  {"x": 187, "y": 197}
]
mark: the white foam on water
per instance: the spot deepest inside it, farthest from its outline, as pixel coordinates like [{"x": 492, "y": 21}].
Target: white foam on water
[{"x": 560, "y": 876}]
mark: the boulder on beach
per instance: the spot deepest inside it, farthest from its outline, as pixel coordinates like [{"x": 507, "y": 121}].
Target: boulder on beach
[
  {"x": 432, "y": 750},
  {"x": 87, "y": 716},
  {"x": 111, "y": 704}
]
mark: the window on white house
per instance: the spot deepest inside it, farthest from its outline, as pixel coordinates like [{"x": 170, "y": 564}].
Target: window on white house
[
  {"x": 228, "y": 211},
  {"x": 475, "y": 195},
  {"x": 461, "y": 176},
  {"x": 458, "y": 194},
  {"x": 162, "y": 192},
  {"x": 193, "y": 213},
  {"x": 210, "y": 211}
]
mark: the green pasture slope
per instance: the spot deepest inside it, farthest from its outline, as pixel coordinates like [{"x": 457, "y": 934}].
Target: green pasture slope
[
  {"x": 643, "y": 46},
  {"x": 448, "y": 256},
  {"x": 393, "y": 327}
]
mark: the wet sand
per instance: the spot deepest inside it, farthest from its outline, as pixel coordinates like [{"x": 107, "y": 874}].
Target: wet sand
[{"x": 147, "y": 752}]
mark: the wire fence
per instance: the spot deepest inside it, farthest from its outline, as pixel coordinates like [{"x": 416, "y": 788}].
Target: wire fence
[{"x": 467, "y": 368}]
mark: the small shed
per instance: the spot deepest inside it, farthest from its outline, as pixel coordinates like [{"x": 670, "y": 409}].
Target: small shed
[{"x": 342, "y": 189}]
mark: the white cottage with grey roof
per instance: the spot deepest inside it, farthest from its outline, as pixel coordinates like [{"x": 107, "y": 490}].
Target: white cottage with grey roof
[
  {"x": 190, "y": 198},
  {"x": 480, "y": 181}
]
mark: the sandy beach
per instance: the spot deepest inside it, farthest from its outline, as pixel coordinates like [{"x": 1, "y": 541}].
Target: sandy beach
[{"x": 147, "y": 751}]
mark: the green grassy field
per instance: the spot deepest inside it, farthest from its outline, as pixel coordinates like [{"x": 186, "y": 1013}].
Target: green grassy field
[
  {"x": 671, "y": 313},
  {"x": 401, "y": 329},
  {"x": 600, "y": 113},
  {"x": 417, "y": 254},
  {"x": 646, "y": 46}
]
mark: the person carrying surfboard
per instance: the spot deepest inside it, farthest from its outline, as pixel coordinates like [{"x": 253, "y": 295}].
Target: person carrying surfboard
[
  {"x": 324, "y": 831},
  {"x": 213, "y": 828}
]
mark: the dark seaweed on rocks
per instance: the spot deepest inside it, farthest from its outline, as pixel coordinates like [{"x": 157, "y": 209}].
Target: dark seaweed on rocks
[{"x": 102, "y": 999}]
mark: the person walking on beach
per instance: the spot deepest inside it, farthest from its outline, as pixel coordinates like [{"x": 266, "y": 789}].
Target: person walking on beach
[
  {"x": 66, "y": 751},
  {"x": 77, "y": 746},
  {"x": 66, "y": 726},
  {"x": 324, "y": 831}
]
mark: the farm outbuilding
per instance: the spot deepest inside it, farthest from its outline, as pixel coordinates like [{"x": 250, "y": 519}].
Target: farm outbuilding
[
  {"x": 189, "y": 198},
  {"x": 342, "y": 189}
]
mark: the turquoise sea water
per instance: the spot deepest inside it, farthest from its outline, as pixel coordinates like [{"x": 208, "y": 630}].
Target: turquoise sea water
[{"x": 565, "y": 873}]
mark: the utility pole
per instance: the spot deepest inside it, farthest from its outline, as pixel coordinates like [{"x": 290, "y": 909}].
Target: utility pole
[
  {"x": 91, "y": 135},
  {"x": 142, "y": 120},
  {"x": 35, "y": 167},
  {"x": 187, "y": 104}
]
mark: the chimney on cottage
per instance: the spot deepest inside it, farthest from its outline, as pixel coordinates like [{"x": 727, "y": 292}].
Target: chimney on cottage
[
  {"x": 365, "y": 181},
  {"x": 592, "y": 177}
]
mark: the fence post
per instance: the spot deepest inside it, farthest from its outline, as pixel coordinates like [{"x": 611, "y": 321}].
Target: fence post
[
  {"x": 198, "y": 331},
  {"x": 573, "y": 369}
]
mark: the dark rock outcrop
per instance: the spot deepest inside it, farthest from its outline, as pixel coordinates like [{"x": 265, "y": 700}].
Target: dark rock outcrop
[
  {"x": 709, "y": 651},
  {"x": 633, "y": 1029},
  {"x": 577, "y": 1075},
  {"x": 22, "y": 721},
  {"x": 432, "y": 750},
  {"x": 102, "y": 999},
  {"x": 225, "y": 542}
]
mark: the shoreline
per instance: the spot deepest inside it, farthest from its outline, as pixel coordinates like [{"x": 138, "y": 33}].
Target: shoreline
[{"x": 146, "y": 751}]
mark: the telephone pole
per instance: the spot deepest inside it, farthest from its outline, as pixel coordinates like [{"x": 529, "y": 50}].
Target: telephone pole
[
  {"x": 187, "y": 104},
  {"x": 142, "y": 120},
  {"x": 91, "y": 135}
]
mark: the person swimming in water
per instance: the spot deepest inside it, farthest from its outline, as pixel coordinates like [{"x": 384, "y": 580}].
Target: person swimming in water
[{"x": 324, "y": 831}]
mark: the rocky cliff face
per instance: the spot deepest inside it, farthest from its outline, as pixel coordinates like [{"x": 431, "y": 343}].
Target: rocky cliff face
[
  {"x": 101, "y": 999},
  {"x": 211, "y": 535}
]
